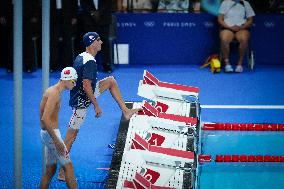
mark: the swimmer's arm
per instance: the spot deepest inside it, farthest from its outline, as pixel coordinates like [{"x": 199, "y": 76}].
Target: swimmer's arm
[
  {"x": 46, "y": 117},
  {"x": 41, "y": 108},
  {"x": 87, "y": 85}
]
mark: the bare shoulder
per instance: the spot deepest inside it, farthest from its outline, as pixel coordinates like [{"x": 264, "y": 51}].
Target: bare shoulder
[{"x": 52, "y": 93}]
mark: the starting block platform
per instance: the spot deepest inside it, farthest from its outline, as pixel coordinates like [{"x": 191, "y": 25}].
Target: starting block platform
[{"x": 158, "y": 147}]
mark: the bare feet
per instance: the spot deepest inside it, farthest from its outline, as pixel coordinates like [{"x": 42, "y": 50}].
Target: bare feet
[
  {"x": 61, "y": 175},
  {"x": 130, "y": 112}
]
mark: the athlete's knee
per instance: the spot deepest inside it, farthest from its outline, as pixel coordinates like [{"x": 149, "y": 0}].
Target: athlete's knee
[
  {"x": 112, "y": 81},
  {"x": 70, "y": 137},
  {"x": 69, "y": 141},
  {"x": 72, "y": 132},
  {"x": 67, "y": 167}
]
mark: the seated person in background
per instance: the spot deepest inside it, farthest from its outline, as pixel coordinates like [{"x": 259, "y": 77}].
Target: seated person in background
[
  {"x": 196, "y": 6},
  {"x": 235, "y": 18},
  {"x": 142, "y": 6},
  {"x": 172, "y": 6}
]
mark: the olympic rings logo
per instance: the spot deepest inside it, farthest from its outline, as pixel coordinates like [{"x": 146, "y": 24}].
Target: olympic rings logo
[
  {"x": 149, "y": 23},
  {"x": 208, "y": 24},
  {"x": 269, "y": 24}
]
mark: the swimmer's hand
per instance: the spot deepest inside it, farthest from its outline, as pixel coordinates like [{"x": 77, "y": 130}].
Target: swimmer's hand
[
  {"x": 60, "y": 147},
  {"x": 98, "y": 111}
]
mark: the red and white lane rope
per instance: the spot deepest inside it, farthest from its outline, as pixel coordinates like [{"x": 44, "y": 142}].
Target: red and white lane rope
[{"x": 243, "y": 126}]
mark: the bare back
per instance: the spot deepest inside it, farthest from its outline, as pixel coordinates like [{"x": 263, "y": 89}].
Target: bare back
[{"x": 49, "y": 107}]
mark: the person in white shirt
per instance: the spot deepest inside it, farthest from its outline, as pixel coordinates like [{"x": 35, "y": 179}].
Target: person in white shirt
[{"x": 235, "y": 19}]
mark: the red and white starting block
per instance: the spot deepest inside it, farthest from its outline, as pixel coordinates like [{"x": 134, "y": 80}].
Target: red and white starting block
[
  {"x": 149, "y": 110},
  {"x": 142, "y": 182},
  {"x": 161, "y": 138},
  {"x": 176, "y": 97},
  {"x": 148, "y": 166},
  {"x": 153, "y": 126},
  {"x": 168, "y": 122}
]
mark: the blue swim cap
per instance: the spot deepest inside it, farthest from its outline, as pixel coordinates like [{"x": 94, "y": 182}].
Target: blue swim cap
[{"x": 89, "y": 38}]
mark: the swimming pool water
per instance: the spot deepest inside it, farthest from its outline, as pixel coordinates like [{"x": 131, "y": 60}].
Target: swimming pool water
[{"x": 234, "y": 175}]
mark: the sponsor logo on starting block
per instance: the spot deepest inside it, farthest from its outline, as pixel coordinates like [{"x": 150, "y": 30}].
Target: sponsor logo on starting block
[
  {"x": 159, "y": 138},
  {"x": 152, "y": 112}
]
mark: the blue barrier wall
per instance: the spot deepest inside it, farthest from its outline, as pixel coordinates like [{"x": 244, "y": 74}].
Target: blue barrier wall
[{"x": 162, "y": 38}]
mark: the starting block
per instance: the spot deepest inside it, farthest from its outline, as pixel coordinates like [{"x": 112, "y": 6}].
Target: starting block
[
  {"x": 175, "y": 96},
  {"x": 141, "y": 182},
  {"x": 161, "y": 138},
  {"x": 149, "y": 176},
  {"x": 161, "y": 167},
  {"x": 172, "y": 156},
  {"x": 163, "y": 129},
  {"x": 148, "y": 109},
  {"x": 150, "y": 118}
]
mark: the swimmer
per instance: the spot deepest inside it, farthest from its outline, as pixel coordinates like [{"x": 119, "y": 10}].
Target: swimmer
[
  {"x": 55, "y": 149},
  {"x": 88, "y": 89}
]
